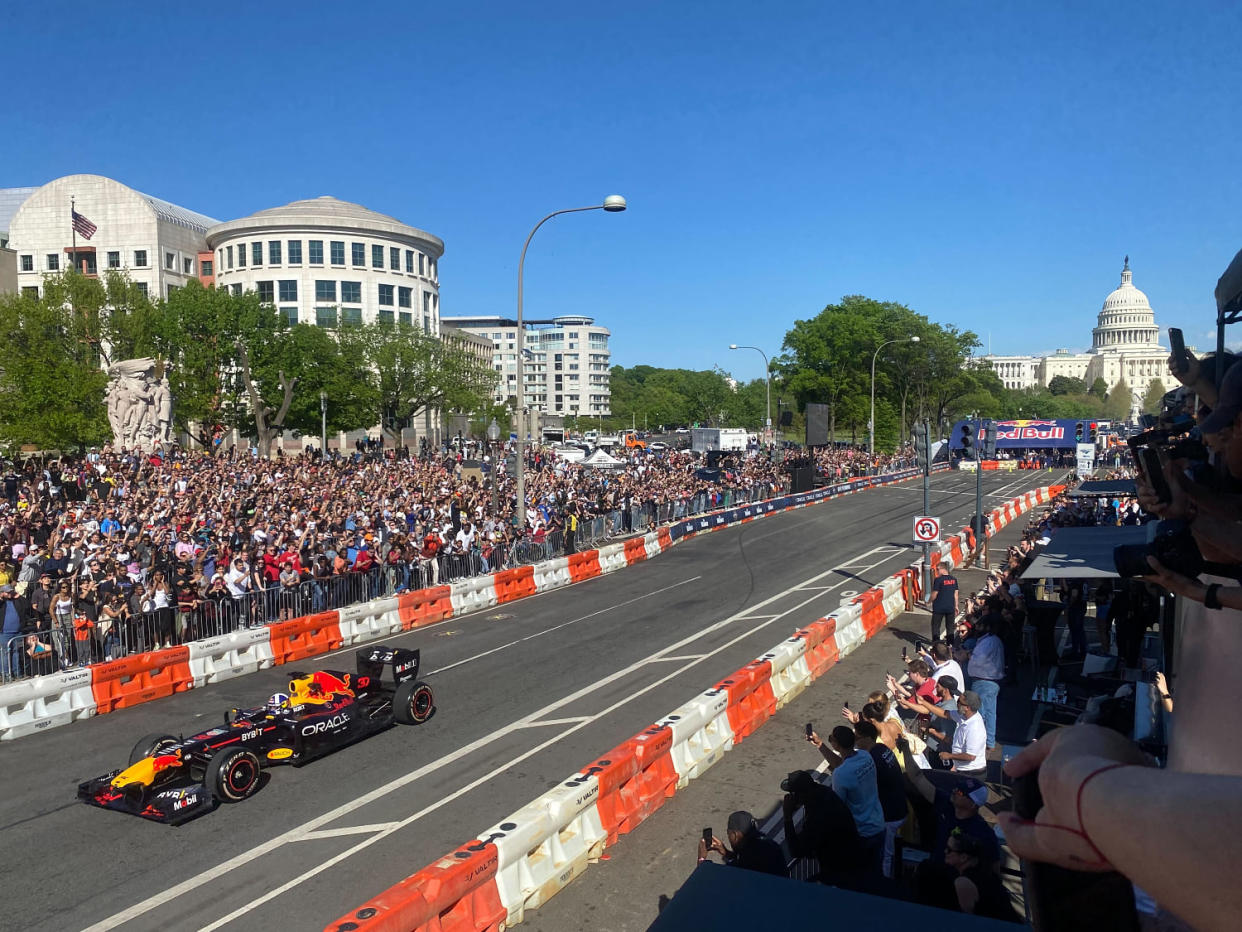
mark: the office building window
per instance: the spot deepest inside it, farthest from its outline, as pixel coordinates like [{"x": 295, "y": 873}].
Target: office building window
[
  {"x": 235, "y": 290},
  {"x": 229, "y": 249},
  {"x": 325, "y": 316},
  {"x": 172, "y": 288},
  {"x": 405, "y": 297},
  {"x": 187, "y": 266},
  {"x": 241, "y": 255},
  {"x": 405, "y": 318},
  {"x": 289, "y": 290},
  {"x": 358, "y": 254},
  {"x": 385, "y": 295},
  {"x": 351, "y": 317},
  {"x": 53, "y": 262},
  {"x": 325, "y": 291},
  {"x": 256, "y": 253},
  {"x": 394, "y": 258},
  {"x": 338, "y": 253},
  {"x": 377, "y": 257},
  {"x": 266, "y": 290},
  {"x": 28, "y": 266},
  {"x": 205, "y": 268},
  {"x": 316, "y": 251},
  {"x": 273, "y": 252},
  {"x": 170, "y": 261},
  {"x": 30, "y": 291},
  {"x": 433, "y": 269},
  {"x": 295, "y": 252},
  {"x": 426, "y": 304},
  {"x": 382, "y": 316},
  {"x": 421, "y": 257},
  {"x": 291, "y": 314},
  {"x": 351, "y": 292},
  {"x": 409, "y": 261}
]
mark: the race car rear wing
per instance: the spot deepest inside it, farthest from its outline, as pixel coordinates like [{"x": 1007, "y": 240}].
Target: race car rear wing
[{"x": 372, "y": 662}]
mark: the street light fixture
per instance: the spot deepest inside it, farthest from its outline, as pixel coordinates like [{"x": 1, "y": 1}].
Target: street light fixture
[
  {"x": 323, "y": 425},
  {"x": 767, "y": 375},
  {"x": 613, "y": 203},
  {"x": 871, "y": 423}
]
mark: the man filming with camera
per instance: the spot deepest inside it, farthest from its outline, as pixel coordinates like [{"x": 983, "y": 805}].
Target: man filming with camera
[{"x": 1175, "y": 832}]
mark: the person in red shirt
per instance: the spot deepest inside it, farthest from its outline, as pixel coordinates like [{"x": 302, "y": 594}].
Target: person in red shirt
[{"x": 428, "y": 557}]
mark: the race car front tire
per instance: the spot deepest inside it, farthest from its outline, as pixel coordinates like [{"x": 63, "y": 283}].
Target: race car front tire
[
  {"x": 148, "y": 745},
  {"x": 413, "y": 702},
  {"x": 233, "y": 775}
]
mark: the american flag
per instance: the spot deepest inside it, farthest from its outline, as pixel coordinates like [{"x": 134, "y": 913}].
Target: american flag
[{"x": 85, "y": 228}]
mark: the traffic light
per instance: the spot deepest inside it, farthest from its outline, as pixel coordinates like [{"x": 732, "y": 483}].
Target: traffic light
[
  {"x": 968, "y": 440},
  {"x": 989, "y": 441},
  {"x": 1078, "y": 429},
  {"x": 921, "y": 452},
  {"x": 1094, "y": 426}
]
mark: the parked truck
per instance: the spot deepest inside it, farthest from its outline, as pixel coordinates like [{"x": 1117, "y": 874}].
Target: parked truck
[{"x": 720, "y": 439}]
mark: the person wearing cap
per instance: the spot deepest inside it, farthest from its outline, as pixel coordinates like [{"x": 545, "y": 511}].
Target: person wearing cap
[
  {"x": 953, "y": 809},
  {"x": 751, "y": 849},
  {"x": 827, "y": 834},
  {"x": 14, "y": 610},
  {"x": 967, "y": 752},
  {"x": 977, "y": 886}
]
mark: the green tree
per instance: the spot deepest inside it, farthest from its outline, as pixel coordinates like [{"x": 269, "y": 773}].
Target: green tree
[
  {"x": 1153, "y": 397},
  {"x": 1066, "y": 385},
  {"x": 1119, "y": 402},
  {"x": 1099, "y": 388},
  {"x": 51, "y": 384}
]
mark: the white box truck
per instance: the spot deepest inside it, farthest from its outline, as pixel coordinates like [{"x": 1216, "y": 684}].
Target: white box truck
[{"x": 722, "y": 439}]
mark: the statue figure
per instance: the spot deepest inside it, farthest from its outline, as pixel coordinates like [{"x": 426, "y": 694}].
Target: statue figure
[{"x": 139, "y": 405}]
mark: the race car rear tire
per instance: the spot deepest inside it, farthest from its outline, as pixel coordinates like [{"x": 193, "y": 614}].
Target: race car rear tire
[
  {"x": 413, "y": 702},
  {"x": 148, "y": 745},
  {"x": 233, "y": 775}
]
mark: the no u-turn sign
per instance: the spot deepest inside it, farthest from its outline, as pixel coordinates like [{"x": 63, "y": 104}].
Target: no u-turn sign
[{"x": 926, "y": 530}]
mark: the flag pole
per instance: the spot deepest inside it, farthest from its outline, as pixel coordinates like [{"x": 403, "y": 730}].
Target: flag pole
[{"x": 73, "y": 231}]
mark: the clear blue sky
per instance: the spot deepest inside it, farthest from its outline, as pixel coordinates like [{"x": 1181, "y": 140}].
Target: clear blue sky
[{"x": 988, "y": 164}]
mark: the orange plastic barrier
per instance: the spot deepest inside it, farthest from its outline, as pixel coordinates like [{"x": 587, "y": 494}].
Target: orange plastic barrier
[
  {"x": 140, "y": 678},
  {"x": 989, "y": 465},
  {"x": 910, "y": 586},
  {"x": 516, "y": 583},
  {"x": 751, "y": 700},
  {"x": 634, "y": 778},
  {"x": 455, "y": 894},
  {"x": 873, "y": 617},
  {"x": 424, "y": 606},
  {"x": 955, "y": 550},
  {"x": 613, "y": 771},
  {"x": 821, "y": 645},
  {"x": 635, "y": 551},
  {"x": 305, "y": 637},
  {"x": 665, "y": 538},
  {"x": 584, "y": 565}
]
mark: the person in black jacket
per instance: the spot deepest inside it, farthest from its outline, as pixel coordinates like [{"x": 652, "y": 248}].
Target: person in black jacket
[
  {"x": 751, "y": 850},
  {"x": 827, "y": 834},
  {"x": 14, "y": 616}
]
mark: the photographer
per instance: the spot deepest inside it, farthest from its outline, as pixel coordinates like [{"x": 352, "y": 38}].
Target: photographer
[{"x": 751, "y": 850}]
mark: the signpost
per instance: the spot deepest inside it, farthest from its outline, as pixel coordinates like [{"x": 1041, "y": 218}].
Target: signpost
[
  {"x": 1085, "y": 458},
  {"x": 926, "y": 530}
]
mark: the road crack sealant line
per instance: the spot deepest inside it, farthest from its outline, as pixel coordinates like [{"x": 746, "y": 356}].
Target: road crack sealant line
[
  {"x": 489, "y": 883},
  {"x": 42, "y": 702}
]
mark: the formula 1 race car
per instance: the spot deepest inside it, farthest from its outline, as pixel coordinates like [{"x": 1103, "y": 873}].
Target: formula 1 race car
[{"x": 172, "y": 779}]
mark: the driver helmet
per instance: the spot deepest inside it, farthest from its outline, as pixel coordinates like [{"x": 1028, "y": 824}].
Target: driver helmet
[{"x": 278, "y": 701}]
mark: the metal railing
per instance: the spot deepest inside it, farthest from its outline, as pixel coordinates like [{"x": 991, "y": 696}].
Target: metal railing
[{"x": 63, "y": 642}]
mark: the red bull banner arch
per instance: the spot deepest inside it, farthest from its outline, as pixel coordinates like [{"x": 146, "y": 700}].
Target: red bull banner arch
[{"x": 1025, "y": 434}]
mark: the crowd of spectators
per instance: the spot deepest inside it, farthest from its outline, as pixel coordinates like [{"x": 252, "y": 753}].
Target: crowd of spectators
[{"x": 115, "y": 552}]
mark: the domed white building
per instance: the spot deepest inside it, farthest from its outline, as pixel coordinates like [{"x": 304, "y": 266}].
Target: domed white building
[
  {"x": 1125, "y": 342},
  {"x": 328, "y": 262}
]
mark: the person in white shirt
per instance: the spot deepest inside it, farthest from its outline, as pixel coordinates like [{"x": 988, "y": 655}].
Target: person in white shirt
[
  {"x": 940, "y": 657},
  {"x": 969, "y": 750}
]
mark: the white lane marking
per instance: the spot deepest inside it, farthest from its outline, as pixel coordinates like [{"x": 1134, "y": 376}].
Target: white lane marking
[
  {"x": 681, "y": 657},
  {"x": 319, "y": 868},
  {"x": 565, "y": 624},
  {"x": 750, "y": 617},
  {"x": 272, "y": 844},
  {"x": 347, "y": 830},
  {"x": 578, "y": 719}
]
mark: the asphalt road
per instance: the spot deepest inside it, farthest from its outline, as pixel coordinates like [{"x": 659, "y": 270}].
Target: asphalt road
[{"x": 526, "y": 696}]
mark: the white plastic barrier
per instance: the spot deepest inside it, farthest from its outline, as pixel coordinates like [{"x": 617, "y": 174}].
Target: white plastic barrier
[
  {"x": 848, "y": 612},
  {"x": 894, "y": 604},
  {"x": 790, "y": 673},
  {"x": 891, "y": 584},
  {"x": 369, "y": 621},
  {"x": 849, "y": 636},
  {"x": 701, "y": 734},
  {"x": 652, "y": 543},
  {"x": 552, "y": 574},
  {"x": 612, "y": 558},
  {"x": 45, "y": 702},
  {"x": 578, "y": 836},
  {"x": 474, "y": 594},
  {"x": 525, "y": 863},
  {"x": 228, "y": 655}
]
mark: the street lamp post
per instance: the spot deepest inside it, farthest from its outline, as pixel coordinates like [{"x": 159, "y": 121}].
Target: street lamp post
[
  {"x": 323, "y": 425},
  {"x": 613, "y": 203},
  {"x": 767, "y": 375},
  {"x": 493, "y": 437},
  {"x": 871, "y": 423}
]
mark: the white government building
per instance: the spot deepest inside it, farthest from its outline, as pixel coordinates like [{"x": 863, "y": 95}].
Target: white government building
[
  {"x": 567, "y": 366},
  {"x": 1125, "y": 342},
  {"x": 155, "y": 242}
]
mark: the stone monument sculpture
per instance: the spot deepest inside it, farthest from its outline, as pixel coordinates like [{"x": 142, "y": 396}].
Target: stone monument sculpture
[{"x": 139, "y": 405}]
